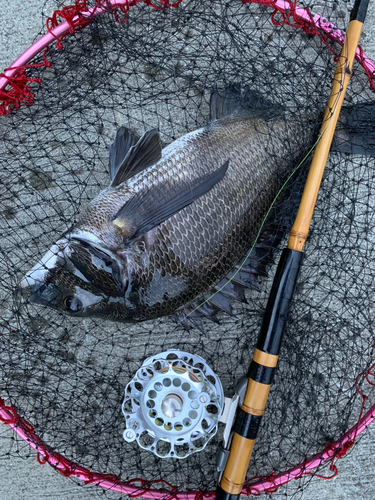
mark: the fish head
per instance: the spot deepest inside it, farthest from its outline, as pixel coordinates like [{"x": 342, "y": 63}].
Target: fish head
[{"x": 79, "y": 278}]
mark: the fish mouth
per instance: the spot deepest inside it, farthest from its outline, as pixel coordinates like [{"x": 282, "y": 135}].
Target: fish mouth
[
  {"x": 25, "y": 283},
  {"x": 36, "y": 293},
  {"x": 46, "y": 294},
  {"x": 33, "y": 282}
]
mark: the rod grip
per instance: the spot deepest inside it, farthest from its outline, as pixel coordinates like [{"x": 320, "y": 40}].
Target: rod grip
[
  {"x": 263, "y": 365},
  {"x": 260, "y": 376}
]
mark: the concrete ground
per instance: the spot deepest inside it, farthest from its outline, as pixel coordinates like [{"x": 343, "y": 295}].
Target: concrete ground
[{"x": 26, "y": 479}]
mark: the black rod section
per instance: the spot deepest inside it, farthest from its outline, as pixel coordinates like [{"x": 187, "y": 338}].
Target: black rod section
[
  {"x": 359, "y": 11},
  {"x": 278, "y": 302},
  {"x": 248, "y": 420}
]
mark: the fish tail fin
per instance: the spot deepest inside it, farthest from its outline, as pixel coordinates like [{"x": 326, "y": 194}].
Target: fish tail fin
[{"x": 355, "y": 132}]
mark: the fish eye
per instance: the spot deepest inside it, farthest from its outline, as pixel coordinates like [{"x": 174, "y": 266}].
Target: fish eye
[{"x": 72, "y": 304}]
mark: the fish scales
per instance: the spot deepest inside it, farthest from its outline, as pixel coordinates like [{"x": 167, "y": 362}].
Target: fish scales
[
  {"x": 122, "y": 262},
  {"x": 190, "y": 252},
  {"x": 173, "y": 224}
]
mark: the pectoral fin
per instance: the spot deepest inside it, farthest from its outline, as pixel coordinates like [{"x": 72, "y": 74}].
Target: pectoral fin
[
  {"x": 130, "y": 155},
  {"x": 158, "y": 203}
]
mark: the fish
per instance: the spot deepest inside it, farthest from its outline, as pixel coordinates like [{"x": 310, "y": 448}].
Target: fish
[{"x": 170, "y": 234}]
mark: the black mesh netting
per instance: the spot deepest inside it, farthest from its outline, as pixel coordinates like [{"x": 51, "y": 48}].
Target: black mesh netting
[{"x": 67, "y": 376}]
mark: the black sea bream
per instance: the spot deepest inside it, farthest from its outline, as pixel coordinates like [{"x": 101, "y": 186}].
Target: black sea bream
[{"x": 174, "y": 223}]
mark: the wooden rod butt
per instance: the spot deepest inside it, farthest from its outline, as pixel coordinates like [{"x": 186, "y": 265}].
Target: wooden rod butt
[{"x": 236, "y": 467}]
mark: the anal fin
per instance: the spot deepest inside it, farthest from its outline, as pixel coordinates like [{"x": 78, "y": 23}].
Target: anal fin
[{"x": 245, "y": 275}]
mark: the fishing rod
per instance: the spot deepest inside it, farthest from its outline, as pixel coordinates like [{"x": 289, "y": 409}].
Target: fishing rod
[{"x": 262, "y": 367}]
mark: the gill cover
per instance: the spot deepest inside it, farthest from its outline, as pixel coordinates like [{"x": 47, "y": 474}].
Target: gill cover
[{"x": 75, "y": 276}]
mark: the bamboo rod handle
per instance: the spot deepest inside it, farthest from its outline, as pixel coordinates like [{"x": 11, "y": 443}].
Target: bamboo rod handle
[
  {"x": 260, "y": 376},
  {"x": 300, "y": 229}
]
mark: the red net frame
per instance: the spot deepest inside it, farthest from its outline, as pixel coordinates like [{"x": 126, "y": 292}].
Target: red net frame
[{"x": 16, "y": 91}]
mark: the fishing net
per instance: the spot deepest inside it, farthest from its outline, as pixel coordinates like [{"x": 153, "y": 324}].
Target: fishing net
[{"x": 145, "y": 66}]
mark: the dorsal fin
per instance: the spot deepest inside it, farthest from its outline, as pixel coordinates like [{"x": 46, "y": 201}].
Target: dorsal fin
[
  {"x": 225, "y": 102},
  {"x": 130, "y": 155},
  {"x": 124, "y": 140}
]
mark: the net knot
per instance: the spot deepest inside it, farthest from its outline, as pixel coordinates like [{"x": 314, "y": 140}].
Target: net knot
[
  {"x": 171, "y": 492},
  {"x": 77, "y": 16},
  {"x": 64, "y": 466},
  {"x": 19, "y": 92},
  {"x": 371, "y": 374},
  {"x": 302, "y": 470},
  {"x": 271, "y": 478},
  {"x": 41, "y": 459},
  {"x": 370, "y": 75},
  {"x": 290, "y": 16},
  {"x": 93, "y": 478},
  {"x": 338, "y": 450},
  {"x": 249, "y": 489},
  {"x": 122, "y": 7},
  {"x": 9, "y": 416},
  {"x": 330, "y": 449},
  {"x": 145, "y": 486},
  {"x": 200, "y": 495},
  {"x": 164, "y": 4},
  {"x": 361, "y": 376},
  {"x": 252, "y": 490},
  {"x": 341, "y": 452}
]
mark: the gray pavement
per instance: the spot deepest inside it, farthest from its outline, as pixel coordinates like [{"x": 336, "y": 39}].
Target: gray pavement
[{"x": 25, "y": 479}]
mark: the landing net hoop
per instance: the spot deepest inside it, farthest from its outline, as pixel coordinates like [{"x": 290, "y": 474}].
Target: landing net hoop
[{"x": 10, "y": 417}]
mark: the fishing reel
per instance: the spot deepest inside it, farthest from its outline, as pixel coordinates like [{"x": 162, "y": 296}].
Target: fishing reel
[{"x": 173, "y": 405}]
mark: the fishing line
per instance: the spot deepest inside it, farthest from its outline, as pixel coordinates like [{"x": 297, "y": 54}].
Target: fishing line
[{"x": 238, "y": 269}]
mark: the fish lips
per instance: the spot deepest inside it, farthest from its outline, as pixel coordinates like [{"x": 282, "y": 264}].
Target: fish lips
[
  {"x": 38, "y": 275},
  {"x": 46, "y": 294},
  {"x": 52, "y": 295}
]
